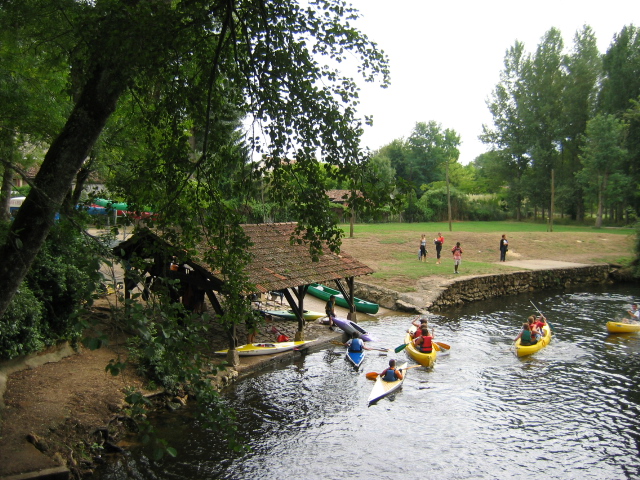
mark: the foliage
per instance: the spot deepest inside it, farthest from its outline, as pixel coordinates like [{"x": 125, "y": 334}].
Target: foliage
[
  {"x": 21, "y": 327},
  {"x": 602, "y": 156},
  {"x": 63, "y": 278}
]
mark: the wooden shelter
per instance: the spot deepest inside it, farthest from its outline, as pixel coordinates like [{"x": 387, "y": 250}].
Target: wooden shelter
[{"x": 278, "y": 263}]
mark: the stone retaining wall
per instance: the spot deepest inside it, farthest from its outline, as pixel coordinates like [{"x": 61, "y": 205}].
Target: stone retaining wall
[{"x": 482, "y": 287}]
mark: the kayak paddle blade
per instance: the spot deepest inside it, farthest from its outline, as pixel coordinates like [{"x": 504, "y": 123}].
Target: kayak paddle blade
[{"x": 400, "y": 347}]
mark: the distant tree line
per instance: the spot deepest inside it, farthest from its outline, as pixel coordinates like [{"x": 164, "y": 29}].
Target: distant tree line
[{"x": 575, "y": 114}]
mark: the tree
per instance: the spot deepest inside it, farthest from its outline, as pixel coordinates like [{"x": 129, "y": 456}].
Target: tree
[
  {"x": 510, "y": 134},
  {"x": 602, "y": 156},
  {"x": 32, "y": 95},
  {"x": 620, "y": 87},
  {"x": 260, "y": 57},
  {"x": 584, "y": 69},
  {"x": 545, "y": 84}
]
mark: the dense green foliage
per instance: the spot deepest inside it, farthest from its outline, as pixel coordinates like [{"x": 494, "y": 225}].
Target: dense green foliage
[
  {"x": 60, "y": 283},
  {"x": 541, "y": 108},
  {"x": 210, "y": 112}
]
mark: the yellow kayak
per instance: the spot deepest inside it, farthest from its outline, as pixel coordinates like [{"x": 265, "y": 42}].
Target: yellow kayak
[
  {"x": 524, "y": 350},
  {"x": 424, "y": 359},
  {"x": 619, "y": 327},
  {"x": 266, "y": 348}
]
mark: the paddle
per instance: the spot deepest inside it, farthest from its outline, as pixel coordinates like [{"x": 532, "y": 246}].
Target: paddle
[
  {"x": 374, "y": 375},
  {"x": 550, "y": 326},
  {"x": 436, "y": 345},
  {"x": 335, "y": 342}
]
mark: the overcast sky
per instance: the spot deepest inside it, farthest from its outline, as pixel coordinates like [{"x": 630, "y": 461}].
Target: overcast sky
[{"x": 446, "y": 56}]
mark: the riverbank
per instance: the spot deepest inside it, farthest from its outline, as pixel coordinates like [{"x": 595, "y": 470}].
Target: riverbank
[{"x": 67, "y": 402}]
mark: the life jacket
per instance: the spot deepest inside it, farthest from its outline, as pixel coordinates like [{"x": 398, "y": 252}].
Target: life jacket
[
  {"x": 426, "y": 346},
  {"x": 389, "y": 375},
  {"x": 283, "y": 338},
  {"x": 356, "y": 345}
]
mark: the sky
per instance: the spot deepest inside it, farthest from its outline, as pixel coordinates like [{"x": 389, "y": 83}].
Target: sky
[{"x": 446, "y": 57}]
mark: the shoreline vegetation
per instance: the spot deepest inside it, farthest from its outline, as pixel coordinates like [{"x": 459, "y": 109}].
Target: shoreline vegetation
[{"x": 92, "y": 399}]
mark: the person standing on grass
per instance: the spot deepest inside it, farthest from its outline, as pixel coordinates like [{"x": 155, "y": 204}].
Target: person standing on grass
[
  {"x": 423, "y": 248},
  {"x": 504, "y": 247},
  {"x": 457, "y": 256},
  {"x": 438, "y": 242}
]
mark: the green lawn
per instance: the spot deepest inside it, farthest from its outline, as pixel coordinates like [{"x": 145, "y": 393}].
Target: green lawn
[{"x": 478, "y": 227}]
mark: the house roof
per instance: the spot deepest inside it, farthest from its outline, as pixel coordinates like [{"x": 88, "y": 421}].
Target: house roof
[{"x": 276, "y": 263}]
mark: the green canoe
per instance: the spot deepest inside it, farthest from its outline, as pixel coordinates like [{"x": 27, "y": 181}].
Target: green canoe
[{"x": 323, "y": 292}]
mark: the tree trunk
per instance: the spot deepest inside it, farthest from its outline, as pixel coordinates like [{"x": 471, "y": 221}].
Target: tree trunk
[
  {"x": 96, "y": 103},
  {"x": 603, "y": 185},
  {"x": 5, "y": 193}
]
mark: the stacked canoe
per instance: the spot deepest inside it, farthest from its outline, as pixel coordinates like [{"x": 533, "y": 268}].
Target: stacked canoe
[{"x": 324, "y": 293}]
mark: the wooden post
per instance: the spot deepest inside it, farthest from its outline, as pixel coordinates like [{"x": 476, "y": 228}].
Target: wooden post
[{"x": 551, "y": 209}]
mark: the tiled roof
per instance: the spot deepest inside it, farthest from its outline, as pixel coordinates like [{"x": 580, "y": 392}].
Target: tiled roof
[{"x": 278, "y": 264}]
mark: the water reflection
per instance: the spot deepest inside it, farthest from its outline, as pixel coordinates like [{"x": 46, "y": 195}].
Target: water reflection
[{"x": 569, "y": 411}]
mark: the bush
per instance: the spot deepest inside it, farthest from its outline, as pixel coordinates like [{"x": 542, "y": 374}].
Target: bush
[
  {"x": 21, "y": 326},
  {"x": 63, "y": 277}
]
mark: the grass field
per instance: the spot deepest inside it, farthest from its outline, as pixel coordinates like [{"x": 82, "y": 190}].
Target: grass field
[{"x": 391, "y": 249}]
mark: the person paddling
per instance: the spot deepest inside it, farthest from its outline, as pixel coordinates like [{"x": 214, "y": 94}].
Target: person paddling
[
  {"x": 391, "y": 374},
  {"x": 355, "y": 344}
]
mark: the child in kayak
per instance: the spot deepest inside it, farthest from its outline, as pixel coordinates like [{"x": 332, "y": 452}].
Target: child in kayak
[
  {"x": 419, "y": 324},
  {"x": 391, "y": 374},
  {"x": 356, "y": 344},
  {"x": 424, "y": 343},
  {"x": 525, "y": 336},
  {"x": 536, "y": 332}
]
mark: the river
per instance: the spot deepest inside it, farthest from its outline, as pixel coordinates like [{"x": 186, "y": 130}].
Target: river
[{"x": 569, "y": 411}]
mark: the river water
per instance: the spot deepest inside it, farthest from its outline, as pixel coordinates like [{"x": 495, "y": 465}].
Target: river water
[{"x": 569, "y": 411}]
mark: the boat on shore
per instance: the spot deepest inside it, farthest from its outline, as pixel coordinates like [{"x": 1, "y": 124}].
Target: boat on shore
[
  {"x": 323, "y": 292},
  {"x": 424, "y": 359},
  {"x": 621, "y": 327},
  {"x": 381, "y": 388},
  {"x": 355, "y": 358},
  {"x": 350, "y": 327},
  {"x": 253, "y": 349},
  {"x": 290, "y": 315},
  {"x": 524, "y": 350}
]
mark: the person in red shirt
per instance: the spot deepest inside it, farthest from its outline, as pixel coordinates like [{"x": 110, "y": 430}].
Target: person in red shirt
[{"x": 539, "y": 322}]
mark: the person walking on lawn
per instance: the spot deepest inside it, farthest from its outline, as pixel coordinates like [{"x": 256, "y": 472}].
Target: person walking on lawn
[{"x": 457, "y": 257}]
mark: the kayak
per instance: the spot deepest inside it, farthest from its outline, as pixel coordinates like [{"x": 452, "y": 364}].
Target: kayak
[
  {"x": 349, "y": 327},
  {"x": 524, "y": 350},
  {"x": 619, "y": 327},
  {"x": 356, "y": 358},
  {"x": 323, "y": 292},
  {"x": 289, "y": 315},
  {"x": 266, "y": 348},
  {"x": 381, "y": 388},
  {"x": 424, "y": 359}
]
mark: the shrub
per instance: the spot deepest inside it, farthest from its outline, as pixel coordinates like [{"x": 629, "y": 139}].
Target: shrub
[
  {"x": 21, "y": 325},
  {"x": 61, "y": 280}
]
